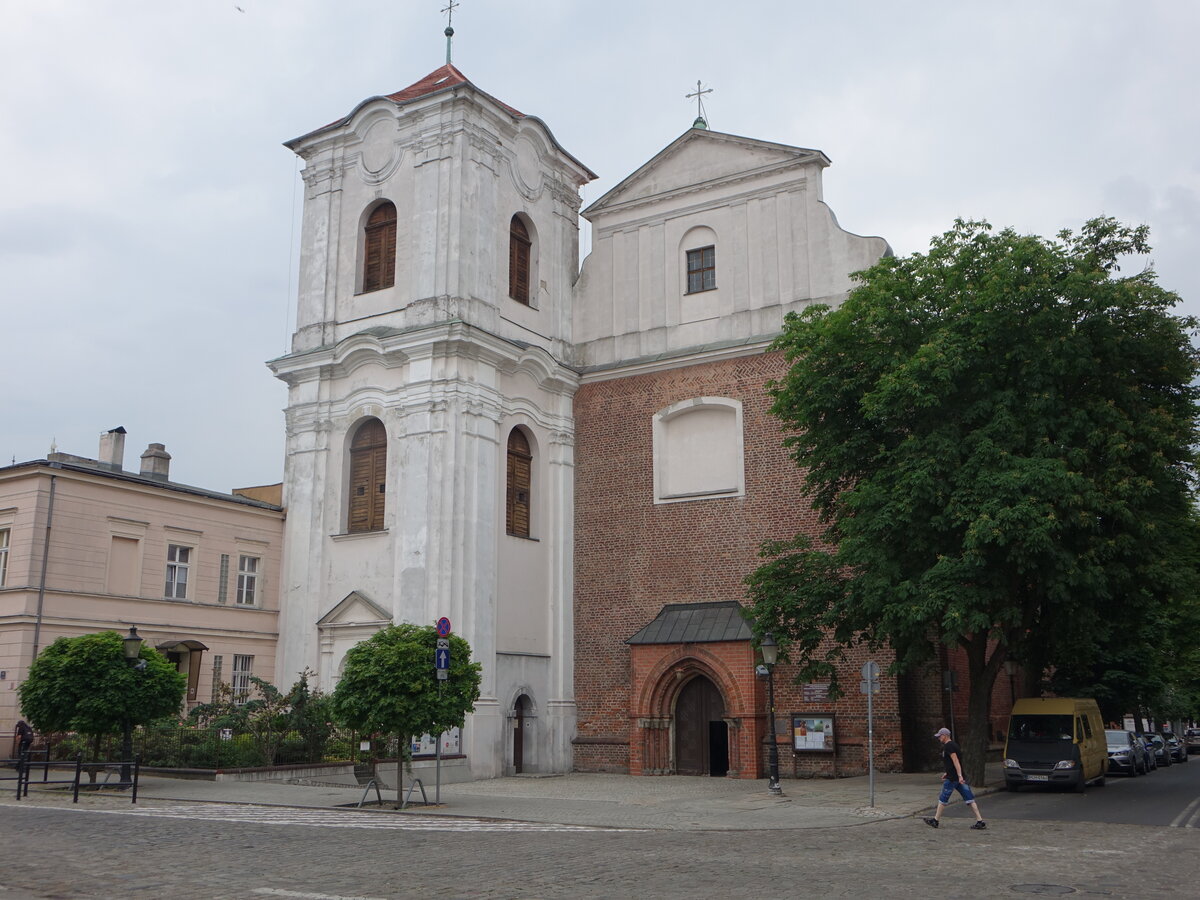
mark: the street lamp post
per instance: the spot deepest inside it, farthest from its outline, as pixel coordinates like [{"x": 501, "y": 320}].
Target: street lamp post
[
  {"x": 133, "y": 651},
  {"x": 770, "y": 654}
]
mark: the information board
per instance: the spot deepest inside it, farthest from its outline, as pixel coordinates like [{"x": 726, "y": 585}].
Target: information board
[{"x": 812, "y": 734}]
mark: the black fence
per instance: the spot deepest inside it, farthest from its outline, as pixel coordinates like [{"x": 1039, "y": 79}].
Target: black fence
[{"x": 210, "y": 748}]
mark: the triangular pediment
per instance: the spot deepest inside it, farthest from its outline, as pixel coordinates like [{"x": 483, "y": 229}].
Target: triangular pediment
[
  {"x": 356, "y": 609},
  {"x": 700, "y": 158}
]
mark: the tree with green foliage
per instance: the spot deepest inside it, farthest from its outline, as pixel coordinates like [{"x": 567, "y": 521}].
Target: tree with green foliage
[
  {"x": 389, "y": 684},
  {"x": 999, "y": 437},
  {"x": 85, "y": 684}
]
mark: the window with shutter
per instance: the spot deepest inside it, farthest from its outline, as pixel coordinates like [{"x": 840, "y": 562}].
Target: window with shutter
[
  {"x": 520, "y": 467},
  {"x": 379, "y": 249},
  {"x": 368, "y": 477},
  {"x": 519, "y": 248}
]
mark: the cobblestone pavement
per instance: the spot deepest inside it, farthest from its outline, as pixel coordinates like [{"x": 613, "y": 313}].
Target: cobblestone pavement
[
  {"x": 282, "y": 815},
  {"x": 105, "y": 848}
]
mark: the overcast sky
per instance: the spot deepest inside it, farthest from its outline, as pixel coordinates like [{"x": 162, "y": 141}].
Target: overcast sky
[{"x": 147, "y": 247}]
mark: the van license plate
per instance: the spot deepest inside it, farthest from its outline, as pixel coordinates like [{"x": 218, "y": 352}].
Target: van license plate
[{"x": 1038, "y": 777}]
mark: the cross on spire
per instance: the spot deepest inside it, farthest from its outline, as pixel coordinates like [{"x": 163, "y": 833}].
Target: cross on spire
[
  {"x": 699, "y": 93},
  {"x": 449, "y": 11}
]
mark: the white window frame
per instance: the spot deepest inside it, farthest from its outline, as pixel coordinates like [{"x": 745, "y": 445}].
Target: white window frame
[
  {"x": 4, "y": 540},
  {"x": 248, "y": 580},
  {"x": 239, "y": 677},
  {"x": 175, "y": 566}
]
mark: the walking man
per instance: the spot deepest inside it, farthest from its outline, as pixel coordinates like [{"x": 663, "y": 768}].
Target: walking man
[
  {"x": 953, "y": 781},
  {"x": 24, "y": 738}
]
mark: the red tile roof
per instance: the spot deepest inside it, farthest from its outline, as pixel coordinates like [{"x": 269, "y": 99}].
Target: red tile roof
[{"x": 439, "y": 80}]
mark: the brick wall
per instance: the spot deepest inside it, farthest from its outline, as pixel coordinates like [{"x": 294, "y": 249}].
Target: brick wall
[{"x": 632, "y": 557}]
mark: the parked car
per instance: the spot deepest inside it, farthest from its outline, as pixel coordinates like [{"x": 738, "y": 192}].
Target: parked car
[
  {"x": 1162, "y": 753},
  {"x": 1192, "y": 736},
  {"x": 1177, "y": 747},
  {"x": 1151, "y": 759},
  {"x": 1126, "y": 754}
]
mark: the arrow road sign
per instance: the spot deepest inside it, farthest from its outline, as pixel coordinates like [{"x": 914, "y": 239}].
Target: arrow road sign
[{"x": 442, "y": 658}]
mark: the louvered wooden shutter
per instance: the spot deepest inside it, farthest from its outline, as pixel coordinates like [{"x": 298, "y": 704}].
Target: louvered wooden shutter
[
  {"x": 520, "y": 466},
  {"x": 518, "y": 261},
  {"x": 379, "y": 250},
  {"x": 368, "y": 477}
]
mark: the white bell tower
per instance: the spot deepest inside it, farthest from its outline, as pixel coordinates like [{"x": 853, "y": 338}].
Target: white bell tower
[{"x": 429, "y": 420}]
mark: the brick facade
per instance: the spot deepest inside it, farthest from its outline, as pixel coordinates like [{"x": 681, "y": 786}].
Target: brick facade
[{"x": 633, "y": 556}]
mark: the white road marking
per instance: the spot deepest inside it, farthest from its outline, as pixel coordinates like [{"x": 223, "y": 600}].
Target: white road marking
[
  {"x": 1192, "y": 810},
  {"x": 302, "y": 895},
  {"x": 282, "y": 815}
]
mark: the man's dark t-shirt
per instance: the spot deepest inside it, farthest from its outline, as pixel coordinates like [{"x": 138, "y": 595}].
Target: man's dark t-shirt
[{"x": 948, "y": 748}]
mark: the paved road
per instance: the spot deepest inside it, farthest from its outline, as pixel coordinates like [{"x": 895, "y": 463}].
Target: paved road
[
  {"x": 221, "y": 852},
  {"x": 1168, "y": 796}
]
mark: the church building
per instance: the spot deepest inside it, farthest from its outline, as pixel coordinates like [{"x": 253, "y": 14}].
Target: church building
[{"x": 575, "y": 465}]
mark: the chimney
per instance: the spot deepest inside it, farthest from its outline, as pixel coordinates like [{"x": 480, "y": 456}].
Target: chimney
[
  {"x": 156, "y": 462},
  {"x": 112, "y": 449}
]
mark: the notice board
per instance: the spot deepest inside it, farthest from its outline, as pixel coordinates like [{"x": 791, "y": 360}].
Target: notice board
[{"x": 812, "y": 734}]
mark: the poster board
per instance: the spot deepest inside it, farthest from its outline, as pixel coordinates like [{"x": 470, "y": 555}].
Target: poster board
[{"x": 812, "y": 734}]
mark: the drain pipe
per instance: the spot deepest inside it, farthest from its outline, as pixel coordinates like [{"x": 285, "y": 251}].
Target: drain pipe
[{"x": 37, "y": 623}]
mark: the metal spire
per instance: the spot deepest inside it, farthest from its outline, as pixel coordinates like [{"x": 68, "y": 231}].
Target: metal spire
[
  {"x": 699, "y": 93},
  {"x": 449, "y": 11}
]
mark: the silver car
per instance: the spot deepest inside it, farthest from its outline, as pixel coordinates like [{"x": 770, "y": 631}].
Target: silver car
[{"x": 1126, "y": 753}]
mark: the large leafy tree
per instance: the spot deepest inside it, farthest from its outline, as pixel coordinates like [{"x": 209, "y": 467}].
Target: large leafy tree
[
  {"x": 389, "y": 684},
  {"x": 85, "y": 684},
  {"x": 999, "y": 437}
]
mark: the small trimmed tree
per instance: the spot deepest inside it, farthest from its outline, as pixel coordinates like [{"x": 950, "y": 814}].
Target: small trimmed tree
[
  {"x": 389, "y": 684},
  {"x": 85, "y": 684}
]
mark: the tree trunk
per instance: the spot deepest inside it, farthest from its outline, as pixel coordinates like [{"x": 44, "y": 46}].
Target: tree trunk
[{"x": 976, "y": 733}]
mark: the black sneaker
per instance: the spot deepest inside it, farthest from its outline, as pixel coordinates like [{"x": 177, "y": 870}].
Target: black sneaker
[
  {"x": 980, "y": 825},
  {"x": 931, "y": 822}
]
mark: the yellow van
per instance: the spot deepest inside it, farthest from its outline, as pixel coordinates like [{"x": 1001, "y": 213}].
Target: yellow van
[{"x": 1055, "y": 740}]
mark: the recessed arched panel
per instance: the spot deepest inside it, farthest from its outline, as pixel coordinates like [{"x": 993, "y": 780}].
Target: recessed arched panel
[{"x": 698, "y": 450}]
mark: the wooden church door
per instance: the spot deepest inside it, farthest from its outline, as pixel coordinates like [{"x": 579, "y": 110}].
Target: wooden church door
[{"x": 701, "y": 737}]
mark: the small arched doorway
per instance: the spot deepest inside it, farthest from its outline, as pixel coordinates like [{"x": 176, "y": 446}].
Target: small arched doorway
[
  {"x": 521, "y": 718},
  {"x": 701, "y": 732}
]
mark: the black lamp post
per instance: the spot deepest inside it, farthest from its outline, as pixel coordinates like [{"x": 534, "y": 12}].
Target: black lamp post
[
  {"x": 770, "y": 653},
  {"x": 133, "y": 651}
]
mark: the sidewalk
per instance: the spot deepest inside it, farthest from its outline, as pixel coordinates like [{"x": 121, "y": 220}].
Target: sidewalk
[{"x": 614, "y": 801}]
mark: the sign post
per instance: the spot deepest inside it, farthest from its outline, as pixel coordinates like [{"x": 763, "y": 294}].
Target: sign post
[
  {"x": 870, "y": 686},
  {"x": 441, "y": 662}
]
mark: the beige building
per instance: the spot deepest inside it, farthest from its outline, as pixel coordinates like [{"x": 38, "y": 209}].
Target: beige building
[{"x": 86, "y": 546}]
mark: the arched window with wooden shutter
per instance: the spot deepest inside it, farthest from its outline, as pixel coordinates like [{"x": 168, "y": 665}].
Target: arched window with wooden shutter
[
  {"x": 368, "y": 477},
  {"x": 520, "y": 468},
  {"x": 519, "y": 252},
  {"x": 379, "y": 248}
]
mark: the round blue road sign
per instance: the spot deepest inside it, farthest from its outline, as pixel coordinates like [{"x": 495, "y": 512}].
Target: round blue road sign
[{"x": 443, "y": 626}]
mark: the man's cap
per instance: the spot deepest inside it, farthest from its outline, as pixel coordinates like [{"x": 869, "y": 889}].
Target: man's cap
[{"x": 941, "y": 731}]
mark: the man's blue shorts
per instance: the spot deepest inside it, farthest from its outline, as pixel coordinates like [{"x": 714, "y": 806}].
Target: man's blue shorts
[{"x": 949, "y": 787}]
